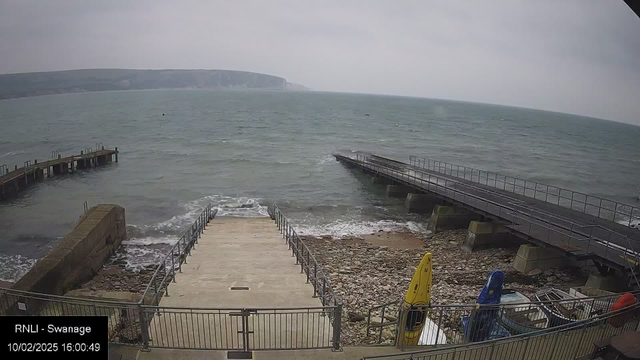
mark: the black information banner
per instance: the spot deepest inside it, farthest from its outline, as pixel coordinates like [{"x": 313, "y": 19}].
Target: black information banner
[{"x": 54, "y": 337}]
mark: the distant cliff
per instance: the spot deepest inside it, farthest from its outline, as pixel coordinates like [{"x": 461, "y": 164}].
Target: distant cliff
[
  {"x": 296, "y": 87},
  {"x": 58, "y": 82}
]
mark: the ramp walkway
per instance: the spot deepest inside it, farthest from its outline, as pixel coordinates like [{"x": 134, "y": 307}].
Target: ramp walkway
[{"x": 242, "y": 289}]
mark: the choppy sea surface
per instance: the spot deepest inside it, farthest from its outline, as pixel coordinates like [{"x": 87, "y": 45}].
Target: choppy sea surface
[{"x": 234, "y": 148}]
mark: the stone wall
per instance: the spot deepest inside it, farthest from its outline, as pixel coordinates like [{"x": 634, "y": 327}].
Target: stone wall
[{"x": 81, "y": 253}]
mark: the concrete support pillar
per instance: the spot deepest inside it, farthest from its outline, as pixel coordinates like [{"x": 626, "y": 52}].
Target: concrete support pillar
[
  {"x": 451, "y": 217},
  {"x": 398, "y": 191},
  {"x": 421, "y": 203},
  {"x": 611, "y": 283},
  {"x": 381, "y": 180},
  {"x": 531, "y": 257},
  {"x": 483, "y": 235}
]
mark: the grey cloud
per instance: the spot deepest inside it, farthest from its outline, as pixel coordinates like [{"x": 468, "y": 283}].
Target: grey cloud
[{"x": 577, "y": 56}]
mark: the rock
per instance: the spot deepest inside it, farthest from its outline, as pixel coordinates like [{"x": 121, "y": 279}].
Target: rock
[
  {"x": 391, "y": 318},
  {"x": 388, "y": 334},
  {"x": 534, "y": 272},
  {"x": 355, "y": 317},
  {"x": 245, "y": 206},
  {"x": 376, "y": 320},
  {"x": 551, "y": 279}
]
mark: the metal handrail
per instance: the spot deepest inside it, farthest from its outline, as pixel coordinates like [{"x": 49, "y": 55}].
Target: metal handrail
[
  {"x": 497, "y": 306},
  {"x": 630, "y": 311},
  {"x": 166, "y": 269},
  {"x": 308, "y": 264},
  {"x": 433, "y": 184},
  {"x": 493, "y": 178},
  {"x": 590, "y": 306},
  {"x": 313, "y": 270}
]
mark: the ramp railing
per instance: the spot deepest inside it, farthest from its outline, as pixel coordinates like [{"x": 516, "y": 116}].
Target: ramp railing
[
  {"x": 308, "y": 265},
  {"x": 241, "y": 329},
  {"x": 165, "y": 272},
  {"x": 314, "y": 272},
  {"x": 590, "y": 204}
]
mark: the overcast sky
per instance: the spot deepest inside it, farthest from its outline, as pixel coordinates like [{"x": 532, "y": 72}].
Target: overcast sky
[{"x": 576, "y": 56}]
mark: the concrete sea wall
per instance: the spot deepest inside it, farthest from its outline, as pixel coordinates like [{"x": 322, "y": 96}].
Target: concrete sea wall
[{"x": 81, "y": 253}]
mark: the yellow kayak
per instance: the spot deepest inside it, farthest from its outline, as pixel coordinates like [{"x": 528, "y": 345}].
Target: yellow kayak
[{"x": 418, "y": 295}]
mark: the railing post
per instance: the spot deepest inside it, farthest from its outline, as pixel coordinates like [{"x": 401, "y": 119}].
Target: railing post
[
  {"x": 324, "y": 290},
  {"x": 315, "y": 279},
  {"x": 307, "y": 266},
  {"x": 180, "y": 256},
  {"x": 144, "y": 328},
  {"x": 337, "y": 327},
  {"x": 301, "y": 256},
  {"x": 600, "y": 207},
  {"x": 173, "y": 267},
  {"x": 166, "y": 286},
  {"x": 401, "y": 327}
]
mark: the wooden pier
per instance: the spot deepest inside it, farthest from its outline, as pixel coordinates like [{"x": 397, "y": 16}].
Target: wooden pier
[{"x": 12, "y": 182}]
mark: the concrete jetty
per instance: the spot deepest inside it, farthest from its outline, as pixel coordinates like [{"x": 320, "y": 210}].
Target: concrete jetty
[
  {"x": 241, "y": 262},
  {"x": 18, "y": 179},
  {"x": 241, "y": 289}
]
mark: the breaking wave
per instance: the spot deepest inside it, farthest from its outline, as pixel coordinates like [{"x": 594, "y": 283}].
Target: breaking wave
[{"x": 146, "y": 245}]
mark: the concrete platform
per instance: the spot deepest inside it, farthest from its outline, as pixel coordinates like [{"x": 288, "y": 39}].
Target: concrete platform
[
  {"x": 241, "y": 252},
  {"x": 250, "y": 255}
]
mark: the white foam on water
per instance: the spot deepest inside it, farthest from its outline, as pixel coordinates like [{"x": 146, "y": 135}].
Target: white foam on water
[
  {"x": 323, "y": 160},
  {"x": 167, "y": 240},
  {"x": 242, "y": 206},
  {"x": 154, "y": 241},
  {"x": 136, "y": 258},
  {"x": 15, "y": 266},
  {"x": 12, "y": 153},
  {"x": 350, "y": 228},
  {"x": 635, "y": 223}
]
